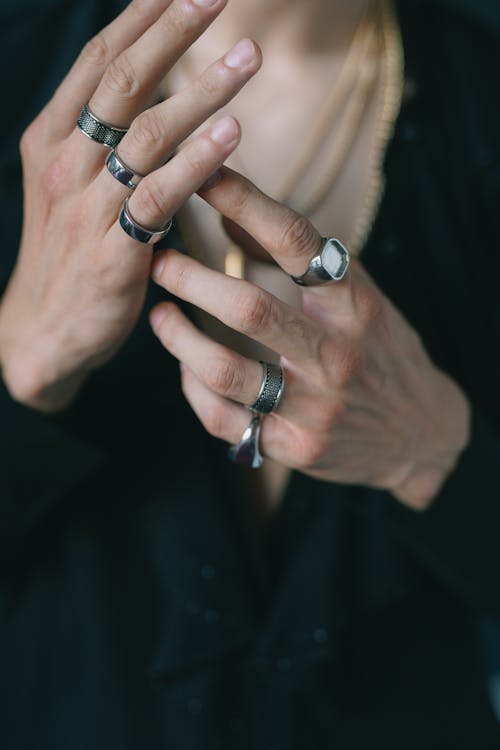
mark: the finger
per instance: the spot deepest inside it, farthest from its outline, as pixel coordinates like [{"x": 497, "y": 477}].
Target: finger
[
  {"x": 240, "y": 305},
  {"x": 290, "y": 238},
  {"x": 228, "y": 421},
  {"x": 246, "y": 242},
  {"x": 222, "y": 370},
  {"x": 84, "y": 76},
  {"x": 156, "y": 133},
  {"x": 164, "y": 191},
  {"x": 130, "y": 79}
]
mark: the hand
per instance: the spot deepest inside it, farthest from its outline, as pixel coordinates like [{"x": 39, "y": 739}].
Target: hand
[
  {"x": 363, "y": 404},
  {"x": 80, "y": 281}
]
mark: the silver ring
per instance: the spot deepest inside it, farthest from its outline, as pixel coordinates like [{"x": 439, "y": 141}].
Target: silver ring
[
  {"x": 330, "y": 264},
  {"x": 247, "y": 452},
  {"x": 271, "y": 389},
  {"x": 97, "y": 130},
  {"x": 119, "y": 170},
  {"x": 138, "y": 232}
]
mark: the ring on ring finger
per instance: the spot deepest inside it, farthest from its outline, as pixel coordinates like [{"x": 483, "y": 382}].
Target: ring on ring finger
[{"x": 271, "y": 389}]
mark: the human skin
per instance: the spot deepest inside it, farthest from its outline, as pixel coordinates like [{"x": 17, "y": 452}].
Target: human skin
[
  {"x": 79, "y": 283},
  {"x": 363, "y": 402}
]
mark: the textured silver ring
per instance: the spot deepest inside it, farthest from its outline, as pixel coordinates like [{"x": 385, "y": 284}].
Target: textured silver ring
[
  {"x": 99, "y": 131},
  {"x": 119, "y": 170},
  {"x": 247, "y": 452},
  {"x": 137, "y": 231},
  {"x": 330, "y": 264},
  {"x": 271, "y": 389}
]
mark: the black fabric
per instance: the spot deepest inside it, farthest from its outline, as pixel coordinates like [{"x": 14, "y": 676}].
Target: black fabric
[{"x": 140, "y": 605}]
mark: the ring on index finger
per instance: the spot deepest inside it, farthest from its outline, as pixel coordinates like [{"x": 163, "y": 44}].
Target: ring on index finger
[{"x": 329, "y": 264}]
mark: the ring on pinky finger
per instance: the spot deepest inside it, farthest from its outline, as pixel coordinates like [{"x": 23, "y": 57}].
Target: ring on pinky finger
[{"x": 228, "y": 421}]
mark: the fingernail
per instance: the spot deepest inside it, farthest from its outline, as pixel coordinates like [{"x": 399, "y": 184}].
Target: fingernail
[
  {"x": 156, "y": 317},
  {"x": 212, "y": 181},
  {"x": 241, "y": 54},
  {"x": 158, "y": 266},
  {"x": 205, "y": 3},
  {"x": 225, "y": 131}
]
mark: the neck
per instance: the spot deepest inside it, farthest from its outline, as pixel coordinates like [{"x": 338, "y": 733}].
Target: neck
[{"x": 300, "y": 27}]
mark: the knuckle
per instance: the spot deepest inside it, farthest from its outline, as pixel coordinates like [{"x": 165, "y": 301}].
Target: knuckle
[
  {"x": 176, "y": 276},
  {"x": 148, "y": 130},
  {"x": 168, "y": 330},
  {"x": 330, "y": 415},
  {"x": 193, "y": 159},
  {"x": 340, "y": 362},
  {"x": 96, "y": 51},
  {"x": 54, "y": 178},
  {"x": 369, "y": 307},
  {"x": 213, "y": 420},
  {"x": 255, "y": 311},
  {"x": 347, "y": 366},
  {"x": 21, "y": 380},
  {"x": 173, "y": 20},
  {"x": 207, "y": 85},
  {"x": 29, "y": 141},
  {"x": 239, "y": 199},
  {"x": 141, "y": 7},
  {"x": 311, "y": 451},
  {"x": 149, "y": 204},
  {"x": 298, "y": 237},
  {"x": 223, "y": 377},
  {"x": 120, "y": 77}
]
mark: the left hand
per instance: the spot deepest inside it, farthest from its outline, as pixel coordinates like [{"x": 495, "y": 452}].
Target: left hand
[{"x": 363, "y": 403}]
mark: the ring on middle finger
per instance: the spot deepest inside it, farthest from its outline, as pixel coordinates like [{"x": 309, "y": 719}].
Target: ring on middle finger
[
  {"x": 271, "y": 389},
  {"x": 121, "y": 172}
]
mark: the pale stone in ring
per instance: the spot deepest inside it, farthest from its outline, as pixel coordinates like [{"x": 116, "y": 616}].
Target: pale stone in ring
[{"x": 330, "y": 264}]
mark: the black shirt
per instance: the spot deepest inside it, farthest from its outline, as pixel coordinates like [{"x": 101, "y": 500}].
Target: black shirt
[{"x": 141, "y": 606}]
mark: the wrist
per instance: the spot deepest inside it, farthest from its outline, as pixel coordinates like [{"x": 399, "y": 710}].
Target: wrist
[
  {"x": 446, "y": 438},
  {"x": 28, "y": 381}
]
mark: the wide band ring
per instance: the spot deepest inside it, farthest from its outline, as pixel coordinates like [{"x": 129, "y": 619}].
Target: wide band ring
[
  {"x": 247, "y": 452},
  {"x": 138, "y": 232},
  {"x": 99, "y": 131},
  {"x": 271, "y": 389},
  {"x": 119, "y": 170},
  {"x": 330, "y": 264}
]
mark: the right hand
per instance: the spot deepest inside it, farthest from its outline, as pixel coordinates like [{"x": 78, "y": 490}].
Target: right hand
[{"x": 79, "y": 283}]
